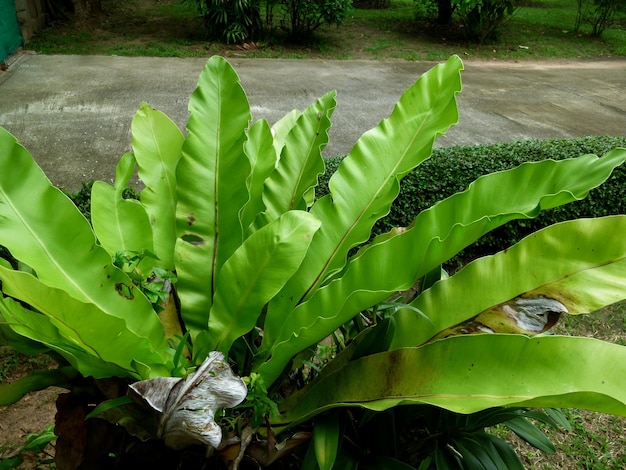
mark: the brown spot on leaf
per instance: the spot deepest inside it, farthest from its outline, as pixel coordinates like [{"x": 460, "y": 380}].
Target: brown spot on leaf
[
  {"x": 193, "y": 239},
  {"x": 124, "y": 290}
]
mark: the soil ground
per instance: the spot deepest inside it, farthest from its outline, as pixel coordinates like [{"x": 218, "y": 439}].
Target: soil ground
[{"x": 31, "y": 415}]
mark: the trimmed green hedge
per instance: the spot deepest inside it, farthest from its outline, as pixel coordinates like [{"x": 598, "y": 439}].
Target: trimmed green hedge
[{"x": 452, "y": 169}]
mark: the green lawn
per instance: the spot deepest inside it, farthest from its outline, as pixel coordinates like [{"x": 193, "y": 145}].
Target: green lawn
[{"x": 539, "y": 29}]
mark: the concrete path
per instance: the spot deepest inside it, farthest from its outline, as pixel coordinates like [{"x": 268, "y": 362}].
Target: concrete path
[{"x": 74, "y": 112}]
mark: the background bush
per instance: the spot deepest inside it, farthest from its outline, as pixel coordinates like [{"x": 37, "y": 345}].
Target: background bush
[
  {"x": 452, "y": 169},
  {"x": 237, "y": 21},
  {"x": 483, "y": 19},
  {"x": 299, "y": 18},
  {"x": 598, "y": 13},
  {"x": 231, "y": 21}
]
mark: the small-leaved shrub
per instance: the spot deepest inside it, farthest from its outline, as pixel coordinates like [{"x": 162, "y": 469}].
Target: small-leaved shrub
[
  {"x": 300, "y": 18},
  {"x": 598, "y": 13},
  {"x": 452, "y": 169},
  {"x": 237, "y": 21},
  {"x": 483, "y": 19}
]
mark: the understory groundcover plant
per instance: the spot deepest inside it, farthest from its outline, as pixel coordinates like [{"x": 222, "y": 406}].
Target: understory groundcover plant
[{"x": 232, "y": 312}]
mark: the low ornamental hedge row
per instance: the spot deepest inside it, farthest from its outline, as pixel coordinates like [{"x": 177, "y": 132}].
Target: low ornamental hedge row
[{"x": 452, "y": 169}]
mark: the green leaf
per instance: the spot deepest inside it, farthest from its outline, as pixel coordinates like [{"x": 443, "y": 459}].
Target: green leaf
[
  {"x": 300, "y": 162},
  {"x": 253, "y": 275},
  {"x": 531, "y": 434},
  {"x": 157, "y": 144},
  {"x": 469, "y": 373},
  {"x": 570, "y": 262},
  {"x": 378, "y": 340},
  {"x": 326, "y": 440},
  {"x": 212, "y": 188},
  {"x": 364, "y": 186},
  {"x": 120, "y": 224},
  {"x": 42, "y": 228},
  {"x": 109, "y": 405},
  {"x": 558, "y": 418},
  {"x": 10, "y": 338},
  {"x": 436, "y": 235},
  {"x": 446, "y": 459},
  {"x": 260, "y": 151},
  {"x": 481, "y": 439},
  {"x": 474, "y": 457},
  {"x": 282, "y": 128},
  {"x": 89, "y": 328},
  {"x": 381, "y": 462},
  {"x": 11, "y": 462},
  {"x": 37, "y": 327},
  {"x": 38, "y": 380},
  {"x": 38, "y": 442},
  {"x": 508, "y": 455}
]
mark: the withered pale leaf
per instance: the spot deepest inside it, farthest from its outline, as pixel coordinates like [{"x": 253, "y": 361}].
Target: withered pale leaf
[{"x": 186, "y": 407}]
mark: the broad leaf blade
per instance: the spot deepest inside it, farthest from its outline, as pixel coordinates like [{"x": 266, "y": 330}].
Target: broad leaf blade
[
  {"x": 282, "y": 127},
  {"x": 436, "y": 235},
  {"x": 367, "y": 181},
  {"x": 39, "y": 328},
  {"x": 120, "y": 224},
  {"x": 211, "y": 178},
  {"x": 42, "y": 228},
  {"x": 259, "y": 148},
  {"x": 570, "y": 262},
  {"x": 466, "y": 374},
  {"x": 301, "y": 161},
  {"x": 38, "y": 380},
  {"x": 157, "y": 144},
  {"x": 104, "y": 336},
  {"x": 531, "y": 434},
  {"x": 326, "y": 440},
  {"x": 254, "y": 274},
  {"x": 508, "y": 455}
]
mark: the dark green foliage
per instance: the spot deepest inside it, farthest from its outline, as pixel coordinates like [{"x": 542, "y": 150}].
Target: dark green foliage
[
  {"x": 598, "y": 13},
  {"x": 483, "y": 19},
  {"x": 237, "y": 21},
  {"x": 301, "y": 17},
  {"x": 427, "y": 437},
  {"x": 452, "y": 169},
  {"x": 231, "y": 21}
]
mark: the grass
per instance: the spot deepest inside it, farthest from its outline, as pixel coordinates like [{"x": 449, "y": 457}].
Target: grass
[
  {"x": 9, "y": 360},
  {"x": 597, "y": 441},
  {"x": 539, "y": 29}
]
